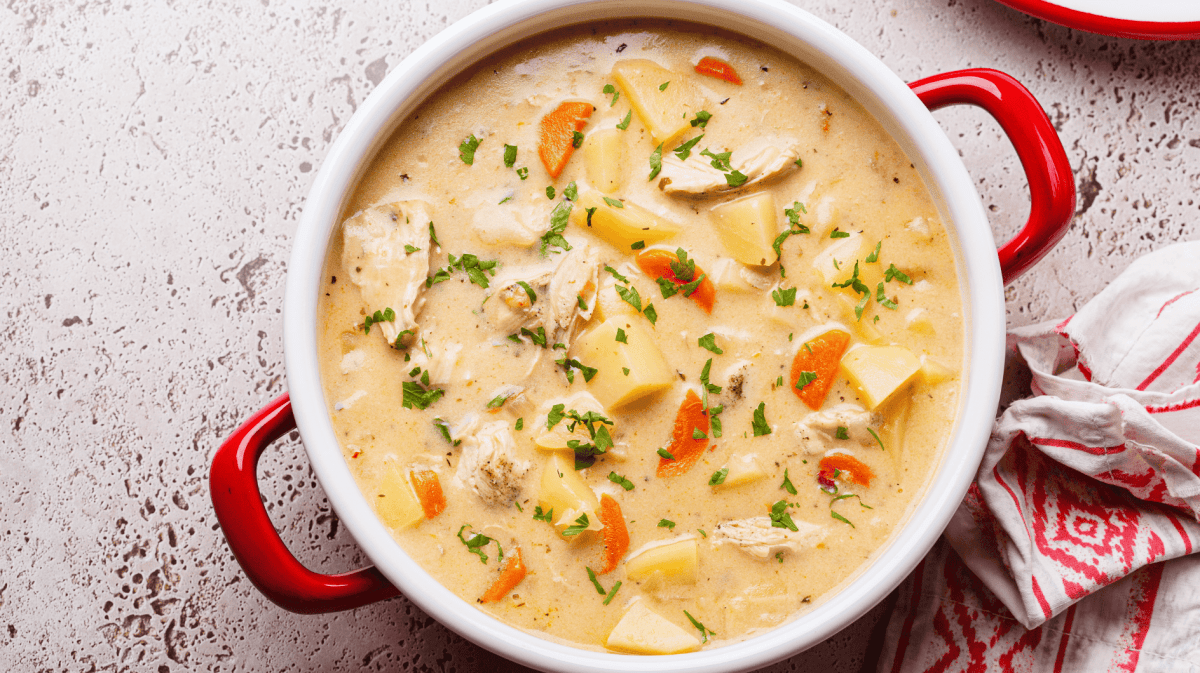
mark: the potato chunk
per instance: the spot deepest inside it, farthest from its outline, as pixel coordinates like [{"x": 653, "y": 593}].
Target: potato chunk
[
  {"x": 743, "y": 469},
  {"x": 676, "y": 561},
  {"x": 395, "y": 503},
  {"x": 609, "y": 305},
  {"x": 599, "y": 348},
  {"x": 845, "y": 251},
  {"x": 748, "y": 227},
  {"x": 665, "y": 110},
  {"x": 622, "y": 226},
  {"x": 603, "y": 156},
  {"x": 642, "y": 631},
  {"x": 564, "y": 491},
  {"x": 879, "y": 371}
]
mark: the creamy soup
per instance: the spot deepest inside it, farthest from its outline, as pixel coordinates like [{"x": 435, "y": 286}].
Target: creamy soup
[{"x": 641, "y": 336}]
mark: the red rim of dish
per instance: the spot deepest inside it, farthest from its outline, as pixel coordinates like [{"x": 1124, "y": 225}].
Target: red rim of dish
[{"x": 1104, "y": 25}]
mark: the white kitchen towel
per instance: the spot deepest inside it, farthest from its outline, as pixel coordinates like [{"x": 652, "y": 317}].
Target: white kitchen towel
[{"x": 1087, "y": 489}]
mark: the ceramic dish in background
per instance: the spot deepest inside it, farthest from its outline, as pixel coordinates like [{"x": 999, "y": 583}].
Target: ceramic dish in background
[
  {"x": 1142, "y": 20},
  {"x": 902, "y": 110}
]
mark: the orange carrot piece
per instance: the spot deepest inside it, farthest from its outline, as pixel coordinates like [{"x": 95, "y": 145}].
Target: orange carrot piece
[
  {"x": 429, "y": 491},
  {"x": 684, "y": 446},
  {"x": 556, "y": 140},
  {"x": 715, "y": 67},
  {"x": 657, "y": 264},
  {"x": 851, "y": 469},
  {"x": 822, "y": 360},
  {"x": 616, "y": 535},
  {"x": 511, "y": 574}
]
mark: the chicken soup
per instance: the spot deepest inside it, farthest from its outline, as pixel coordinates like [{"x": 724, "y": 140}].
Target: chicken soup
[{"x": 641, "y": 336}]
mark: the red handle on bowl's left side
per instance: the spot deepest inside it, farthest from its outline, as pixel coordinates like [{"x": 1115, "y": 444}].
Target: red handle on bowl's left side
[
  {"x": 253, "y": 539},
  {"x": 1051, "y": 184}
]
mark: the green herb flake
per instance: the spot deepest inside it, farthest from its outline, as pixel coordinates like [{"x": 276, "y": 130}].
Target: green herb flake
[
  {"x": 550, "y": 192},
  {"x": 876, "y": 436},
  {"x": 519, "y": 507},
  {"x": 408, "y": 249},
  {"x": 899, "y": 275},
  {"x": 842, "y": 432},
  {"x": 595, "y": 582},
  {"x": 841, "y": 518},
  {"x": 735, "y": 178},
  {"x": 590, "y": 211},
  {"x": 669, "y": 525},
  {"x": 504, "y": 200},
  {"x": 663, "y": 86},
  {"x": 466, "y": 150},
  {"x": 556, "y": 414},
  {"x": 637, "y": 245},
  {"x": 667, "y": 288},
  {"x": 651, "y": 314},
  {"x": 528, "y": 292},
  {"x": 704, "y": 632},
  {"x": 718, "y": 477},
  {"x": 702, "y": 533},
  {"x": 620, "y": 481},
  {"x": 444, "y": 428},
  {"x": 497, "y": 401},
  {"x": 559, "y": 218},
  {"x": 613, "y": 202},
  {"x": 655, "y": 162},
  {"x": 578, "y": 527},
  {"x": 779, "y": 556},
  {"x": 839, "y": 234},
  {"x": 538, "y": 515},
  {"x": 780, "y": 518},
  {"x": 882, "y": 298},
  {"x": 616, "y": 274},
  {"x": 665, "y": 454},
  {"x": 697, "y": 433},
  {"x": 608, "y": 88},
  {"x": 685, "y": 149},
  {"x": 759, "y": 424},
  {"x": 625, "y": 371},
  {"x": 576, "y": 139},
  {"x": 520, "y": 424},
  {"x": 417, "y": 396},
  {"x": 621, "y": 336},
  {"x": 874, "y": 256},
  {"x": 709, "y": 343},
  {"x": 477, "y": 542},
  {"x": 784, "y": 297},
  {"x": 630, "y": 296},
  {"x": 522, "y": 172},
  {"x": 701, "y": 119},
  {"x": 787, "y": 484},
  {"x": 719, "y": 161},
  {"x": 571, "y": 192},
  {"x": 510, "y": 155},
  {"x": 625, "y": 123}
]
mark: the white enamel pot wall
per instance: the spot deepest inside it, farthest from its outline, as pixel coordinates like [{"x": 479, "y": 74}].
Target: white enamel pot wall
[{"x": 903, "y": 110}]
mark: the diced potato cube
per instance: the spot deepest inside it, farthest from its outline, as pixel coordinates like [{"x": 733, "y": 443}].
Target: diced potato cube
[
  {"x": 622, "y": 226},
  {"x": 666, "y": 111},
  {"x": 879, "y": 371},
  {"x": 599, "y": 348},
  {"x": 677, "y": 561},
  {"x": 564, "y": 491},
  {"x": 934, "y": 372},
  {"x": 918, "y": 320},
  {"x": 395, "y": 503},
  {"x": 609, "y": 304},
  {"x": 748, "y": 227},
  {"x": 743, "y": 469},
  {"x": 642, "y": 631},
  {"x": 603, "y": 156},
  {"x": 865, "y": 328}
]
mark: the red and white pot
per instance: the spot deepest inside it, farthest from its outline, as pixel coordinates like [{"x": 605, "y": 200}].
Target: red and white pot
[{"x": 903, "y": 110}]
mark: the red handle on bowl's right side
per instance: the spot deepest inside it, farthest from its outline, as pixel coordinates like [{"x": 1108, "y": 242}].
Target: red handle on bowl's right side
[
  {"x": 1051, "y": 183},
  {"x": 252, "y": 537}
]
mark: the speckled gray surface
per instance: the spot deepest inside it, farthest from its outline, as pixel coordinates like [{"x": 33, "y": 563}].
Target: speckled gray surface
[{"x": 153, "y": 161}]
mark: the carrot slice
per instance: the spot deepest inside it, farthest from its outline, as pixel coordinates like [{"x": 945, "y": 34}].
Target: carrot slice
[
  {"x": 511, "y": 574},
  {"x": 715, "y": 67},
  {"x": 684, "y": 446},
  {"x": 850, "y": 468},
  {"x": 818, "y": 356},
  {"x": 556, "y": 141},
  {"x": 616, "y": 535},
  {"x": 657, "y": 264},
  {"x": 429, "y": 491}
]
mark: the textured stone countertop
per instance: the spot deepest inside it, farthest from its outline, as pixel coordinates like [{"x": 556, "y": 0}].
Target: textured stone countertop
[{"x": 154, "y": 159}]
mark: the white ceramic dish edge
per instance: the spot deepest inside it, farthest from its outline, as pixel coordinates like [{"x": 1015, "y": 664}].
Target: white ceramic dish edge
[{"x": 865, "y": 78}]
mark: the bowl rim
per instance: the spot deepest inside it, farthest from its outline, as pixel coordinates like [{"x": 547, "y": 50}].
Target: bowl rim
[{"x": 866, "y": 79}]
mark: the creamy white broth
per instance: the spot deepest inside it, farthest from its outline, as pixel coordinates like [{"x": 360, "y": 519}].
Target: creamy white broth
[{"x": 854, "y": 178}]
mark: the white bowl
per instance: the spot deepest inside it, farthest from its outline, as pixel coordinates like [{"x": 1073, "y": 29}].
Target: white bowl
[{"x": 777, "y": 24}]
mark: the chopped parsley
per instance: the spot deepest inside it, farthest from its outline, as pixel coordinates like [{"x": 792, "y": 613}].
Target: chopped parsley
[
  {"x": 578, "y": 527},
  {"x": 787, "y": 483},
  {"x": 556, "y": 414},
  {"x": 669, "y": 525},
  {"x": 613, "y": 202},
  {"x": 842, "y": 432},
  {"x": 498, "y": 401},
  {"x": 386, "y": 315},
  {"x": 655, "y": 162},
  {"x": 876, "y": 436},
  {"x": 620, "y": 481},
  {"x": 719, "y": 161},
  {"x": 523, "y": 172},
  {"x": 528, "y": 291},
  {"x": 839, "y": 234},
  {"x": 630, "y": 296},
  {"x": 701, "y": 119},
  {"x": 697, "y": 433},
  {"x": 504, "y": 200},
  {"x": 709, "y": 343},
  {"x": 550, "y": 192},
  {"x": 621, "y": 336},
  {"x": 625, "y": 371},
  {"x": 538, "y": 515},
  {"x": 559, "y": 218},
  {"x": 784, "y": 297},
  {"x": 759, "y": 424},
  {"x": 780, "y": 518},
  {"x": 663, "y": 86},
  {"x": 899, "y": 275},
  {"x": 718, "y": 477},
  {"x": 608, "y": 88},
  {"x": 588, "y": 372},
  {"x": 510, "y": 155},
  {"x": 595, "y": 582},
  {"x": 883, "y": 300},
  {"x": 519, "y": 507},
  {"x": 704, "y": 632},
  {"x": 685, "y": 149},
  {"x": 667, "y": 288},
  {"x": 841, "y": 518},
  {"x": 625, "y": 123},
  {"x": 613, "y": 592},
  {"x": 616, "y": 274},
  {"x": 683, "y": 268},
  {"x": 466, "y": 150},
  {"x": 665, "y": 454},
  {"x": 874, "y": 256},
  {"x": 477, "y": 542},
  {"x": 576, "y": 139},
  {"x": 637, "y": 245},
  {"x": 714, "y": 421},
  {"x": 418, "y": 396},
  {"x": 651, "y": 314},
  {"x": 735, "y": 178},
  {"x": 779, "y": 556},
  {"x": 408, "y": 249},
  {"x": 571, "y": 192},
  {"x": 433, "y": 235},
  {"x": 444, "y": 428},
  {"x": 520, "y": 424},
  {"x": 590, "y": 211},
  {"x": 793, "y": 215}
]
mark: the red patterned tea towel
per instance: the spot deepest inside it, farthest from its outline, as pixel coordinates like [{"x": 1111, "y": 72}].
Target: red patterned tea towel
[{"x": 1086, "y": 489}]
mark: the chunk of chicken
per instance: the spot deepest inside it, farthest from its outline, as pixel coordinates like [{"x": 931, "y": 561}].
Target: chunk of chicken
[
  {"x": 501, "y": 227},
  {"x": 757, "y": 537},
  {"x": 818, "y": 430},
  {"x": 488, "y": 464},
  {"x": 557, "y": 437},
  {"x": 440, "y": 361},
  {"x": 557, "y": 290},
  {"x": 375, "y": 257},
  {"x": 759, "y": 160}
]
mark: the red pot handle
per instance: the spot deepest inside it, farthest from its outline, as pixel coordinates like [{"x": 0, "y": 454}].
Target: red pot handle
[
  {"x": 252, "y": 537},
  {"x": 1051, "y": 183}
]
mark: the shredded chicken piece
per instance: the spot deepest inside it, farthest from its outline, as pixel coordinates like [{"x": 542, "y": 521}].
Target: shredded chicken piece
[
  {"x": 557, "y": 289},
  {"x": 375, "y": 258},
  {"x": 757, "y": 537},
  {"x": 502, "y": 227},
  {"x": 440, "y": 361},
  {"x": 558, "y": 437},
  {"x": 759, "y": 160},
  {"x": 818, "y": 430},
  {"x": 574, "y": 279},
  {"x": 489, "y": 465}
]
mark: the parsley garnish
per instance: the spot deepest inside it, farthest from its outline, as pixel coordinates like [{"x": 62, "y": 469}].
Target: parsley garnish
[
  {"x": 874, "y": 256},
  {"x": 539, "y": 516},
  {"x": 779, "y": 556},
  {"x": 735, "y": 178},
  {"x": 608, "y": 88},
  {"x": 651, "y": 314},
  {"x": 520, "y": 424},
  {"x": 714, "y": 421},
  {"x": 578, "y": 527},
  {"x": 519, "y": 507},
  {"x": 418, "y": 396},
  {"x": 433, "y": 235},
  {"x": 667, "y": 288},
  {"x": 625, "y": 123},
  {"x": 590, "y": 211},
  {"x": 466, "y": 151},
  {"x": 528, "y": 291},
  {"x": 669, "y": 525},
  {"x": 839, "y": 234},
  {"x": 576, "y": 139},
  {"x": 718, "y": 477},
  {"x": 477, "y": 542},
  {"x": 523, "y": 172},
  {"x": 899, "y": 275},
  {"x": 701, "y": 119},
  {"x": 616, "y": 274},
  {"x": 556, "y": 414},
  {"x": 612, "y": 593},
  {"x": 759, "y": 424},
  {"x": 663, "y": 86},
  {"x": 498, "y": 401},
  {"x": 719, "y": 161},
  {"x": 685, "y": 149},
  {"x": 665, "y": 454},
  {"x": 882, "y": 298},
  {"x": 614, "y": 202},
  {"x": 842, "y": 432},
  {"x": 386, "y": 315},
  {"x": 621, "y": 336},
  {"x": 444, "y": 428},
  {"x": 709, "y": 342},
  {"x": 630, "y": 296},
  {"x": 510, "y": 155},
  {"x": 787, "y": 483},
  {"x": 588, "y": 372},
  {"x": 841, "y": 518},
  {"x": 784, "y": 297},
  {"x": 876, "y": 436},
  {"x": 408, "y": 249},
  {"x": 596, "y": 583},
  {"x": 637, "y": 245},
  {"x": 625, "y": 371},
  {"x": 655, "y": 162},
  {"x": 689, "y": 288},
  {"x": 620, "y": 481},
  {"x": 780, "y": 518},
  {"x": 559, "y": 218},
  {"x": 704, "y": 632},
  {"x": 793, "y": 215},
  {"x": 683, "y": 268},
  {"x": 698, "y": 434},
  {"x": 571, "y": 192},
  {"x": 550, "y": 192}
]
